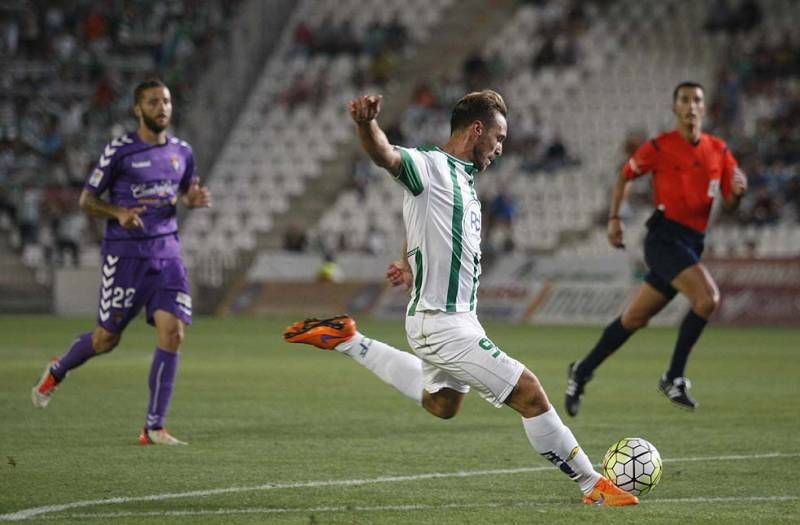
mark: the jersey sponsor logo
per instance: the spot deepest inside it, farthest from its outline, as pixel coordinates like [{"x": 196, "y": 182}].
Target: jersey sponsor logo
[
  {"x": 472, "y": 225},
  {"x": 154, "y": 189},
  {"x": 97, "y": 176},
  {"x": 141, "y": 164}
]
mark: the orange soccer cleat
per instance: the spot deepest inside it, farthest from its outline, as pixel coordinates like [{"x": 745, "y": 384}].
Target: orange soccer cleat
[
  {"x": 606, "y": 493},
  {"x": 42, "y": 392},
  {"x": 158, "y": 437},
  {"x": 322, "y": 333}
]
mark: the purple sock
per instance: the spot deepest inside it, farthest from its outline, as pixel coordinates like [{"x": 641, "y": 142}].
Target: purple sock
[
  {"x": 162, "y": 380},
  {"x": 80, "y": 352}
]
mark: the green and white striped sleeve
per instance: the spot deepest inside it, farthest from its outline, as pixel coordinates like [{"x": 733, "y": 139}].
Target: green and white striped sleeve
[{"x": 413, "y": 171}]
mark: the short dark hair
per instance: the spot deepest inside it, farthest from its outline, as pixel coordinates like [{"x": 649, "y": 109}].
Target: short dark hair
[
  {"x": 686, "y": 83},
  {"x": 145, "y": 85},
  {"x": 478, "y": 105}
]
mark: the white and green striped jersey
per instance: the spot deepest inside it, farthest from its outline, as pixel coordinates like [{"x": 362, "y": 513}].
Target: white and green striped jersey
[{"x": 442, "y": 215}]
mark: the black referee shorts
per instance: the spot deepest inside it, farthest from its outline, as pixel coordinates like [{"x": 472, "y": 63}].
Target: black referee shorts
[{"x": 669, "y": 248}]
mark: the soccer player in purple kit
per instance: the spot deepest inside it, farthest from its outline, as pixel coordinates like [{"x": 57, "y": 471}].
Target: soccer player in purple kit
[{"x": 145, "y": 173}]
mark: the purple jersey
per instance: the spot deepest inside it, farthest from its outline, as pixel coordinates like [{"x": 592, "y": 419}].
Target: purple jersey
[{"x": 139, "y": 174}]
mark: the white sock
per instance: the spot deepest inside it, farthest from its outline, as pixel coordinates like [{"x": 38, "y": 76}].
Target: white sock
[
  {"x": 400, "y": 369},
  {"x": 554, "y": 440}
]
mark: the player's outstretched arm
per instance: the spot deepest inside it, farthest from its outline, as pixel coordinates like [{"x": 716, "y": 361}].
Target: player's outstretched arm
[
  {"x": 97, "y": 207},
  {"x": 364, "y": 110}
]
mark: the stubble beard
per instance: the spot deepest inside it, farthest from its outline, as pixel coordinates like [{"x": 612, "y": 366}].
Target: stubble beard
[{"x": 154, "y": 126}]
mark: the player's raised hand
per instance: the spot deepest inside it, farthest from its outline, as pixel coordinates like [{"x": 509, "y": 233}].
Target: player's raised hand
[
  {"x": 129, "y": 218},
  {"x": 197, "y": 196},
  {"x": 399, "y": 274},
  {"x": 364, "y": 108},
  {"x": 738, "y": 182},
  {"x": 615, "y": 233}
]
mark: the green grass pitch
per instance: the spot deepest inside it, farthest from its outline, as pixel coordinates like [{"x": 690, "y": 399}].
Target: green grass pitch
[{"x": 289, "y": 434}]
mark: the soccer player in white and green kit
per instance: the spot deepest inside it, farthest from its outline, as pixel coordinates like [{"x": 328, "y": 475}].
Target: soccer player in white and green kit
[{"x": 452, "y": 353}]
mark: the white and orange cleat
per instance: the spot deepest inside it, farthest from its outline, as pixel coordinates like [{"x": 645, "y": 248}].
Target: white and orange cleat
[
  {"x": 322, "y": 333},
  {"x": 606, "y": 493},
  {"x": 42, "y": 392},
  {"x": 158, "y": 437}
]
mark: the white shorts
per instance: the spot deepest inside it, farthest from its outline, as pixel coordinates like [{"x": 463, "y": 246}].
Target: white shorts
[{"x": 456, "y": 354}]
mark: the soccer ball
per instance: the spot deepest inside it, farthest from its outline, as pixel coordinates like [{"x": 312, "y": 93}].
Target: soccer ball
[{"x": 633, "y": 464}]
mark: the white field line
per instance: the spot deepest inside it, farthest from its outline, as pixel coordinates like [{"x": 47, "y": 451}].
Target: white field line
[
  {"x": 400, "y": 508},
  {"x": 47, "y": 509}
]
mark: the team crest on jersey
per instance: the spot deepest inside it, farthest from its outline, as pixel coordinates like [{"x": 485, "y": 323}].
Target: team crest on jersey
[
  {"x": 176, "y": 163},
  {"x": 472, "y": 225}
]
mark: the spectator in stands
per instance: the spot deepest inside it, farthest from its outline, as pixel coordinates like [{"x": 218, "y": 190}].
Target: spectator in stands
[
  {"x": 720, "y": 16},
  {"x": 303, "y": 39},
  {"x": 295, "y": 238},
  {"x": 476, "y": 72},
  {"x": 375, "y": 240},
  {"x": 500, "y": 224},
  {"x": 748, "y": 15},
  {"x": 793, "y": 196},
  {"x": 547, "y": 55},
  {"x": 766, "y": 208},
  {"x": 9, "y": 36},
  {"x": 555, "y": 156},
  {"x": 423, "y": 96},
  {"x": 8, "y": 210},
  {"x": 30, "y": 215},
  {"x": 69, "y": 232},
  {"x": 396, "y": 34},
  {"x": 362, "y": 178},
  {"x": 53, "y": 143},
  {"x": 375, "y": 38},
  {"x": 329, "y": 271},
  {"x": 298, "y": 92}
]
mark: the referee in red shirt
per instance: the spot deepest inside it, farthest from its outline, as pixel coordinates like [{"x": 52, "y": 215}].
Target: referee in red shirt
[{"x": 689, "y": 169}]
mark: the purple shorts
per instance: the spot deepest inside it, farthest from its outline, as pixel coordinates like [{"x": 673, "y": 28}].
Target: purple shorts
[{"x": 128, "y": 284}]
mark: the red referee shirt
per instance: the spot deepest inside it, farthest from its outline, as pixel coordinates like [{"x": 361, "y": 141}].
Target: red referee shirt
[{"x": 686, "y": 177}]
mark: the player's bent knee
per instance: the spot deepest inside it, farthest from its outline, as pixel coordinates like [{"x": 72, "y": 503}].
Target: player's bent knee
[
  {"x": 442, "y": 404},
  {"x": 706, "y": 305},
  {"x": 104, "y": 341},
  {"x": 175, "y": 339},
  {"x": 443, "y": 412},
  {"x": 528, "y": 397},
  {"x": 172, "y": 339}
]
